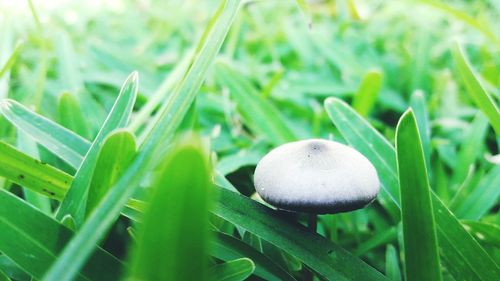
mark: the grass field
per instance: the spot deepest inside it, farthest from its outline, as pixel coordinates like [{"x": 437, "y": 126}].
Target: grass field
[{"x": 130, "y": 132}]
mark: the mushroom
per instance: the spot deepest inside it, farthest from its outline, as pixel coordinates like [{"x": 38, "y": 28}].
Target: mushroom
[{"x": 316, "y": 176}]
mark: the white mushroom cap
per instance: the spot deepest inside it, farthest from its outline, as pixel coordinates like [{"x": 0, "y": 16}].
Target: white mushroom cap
[{"x": 316, "y": 176}]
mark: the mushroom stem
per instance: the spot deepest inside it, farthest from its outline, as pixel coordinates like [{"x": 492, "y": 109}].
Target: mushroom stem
[{"x": 312, "y": 222}]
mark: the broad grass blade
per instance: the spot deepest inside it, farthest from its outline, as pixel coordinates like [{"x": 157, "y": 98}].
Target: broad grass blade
[
  {"x": 172, "y": 241},
  {"x": 258, "y": 113},
  {"x": 320, "y": 254},
  {"x": 476, "y": 91},
  {"x": 70, "y": 115},
  {"x": 31, "y": 173},
  {"x": 117, "y": 152},
  {"x": 235, "y": 270},
  {"x": 467, "y": 262},
  {"x": 81, "y": 246},
  {"x": 484, "y": 197},
  {"x": 366, "y": 96},
  {"x": 62, "y": 142},
  {"x": 371, "y": 144},
  {"x": 76, "y": 198},
  {"x": 226, "y": 247},
  {"x": 419, "y": 229},
  {"x": 392, "y": 270},
  {"x": 43, "y": 239}
]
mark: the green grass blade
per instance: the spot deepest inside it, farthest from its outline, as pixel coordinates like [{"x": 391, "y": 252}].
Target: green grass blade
[
  {"x": 172, "y": 241},
  {"x": 304, "y": 8},
  {"x": 327, "y": 259},
  {"x": 41, "y": 202},
  {"x": 59, "y": 140},
  {"x": 4, "y": 277},
  {"x": 11, "y": 60},
  {"x": 82, "y": 245},
  {"x": 76, "y": 198},
  {"x": 464, "y": 17},
  {"x": 365, "y": 98},
  {"x": 257, "y": 112},
  {"x": 392, "y": 270},
  {"x": 418, "y": 104},
  {"x": 226, "y": 247},
  {"x": 235, "y": 270},
  {"x": 419, "y": 230},
  {"x": 35, "y": 241},
  {"x": 484, "y": 197},
  {"x": 372, "y": 145},
  {"x": 470, "y": 149},
  {"x": 485, "y": 232},
  {"x": 117, "y": 152},
  {"x": 461, "y": 254},
  {"x": 476, "y": 91},
  {"x": 70, "y": 115},
  {"x": 31, "y": 173}
]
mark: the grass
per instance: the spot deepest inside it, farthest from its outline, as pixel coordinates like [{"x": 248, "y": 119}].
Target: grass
[{"x": 129, "y": 134}]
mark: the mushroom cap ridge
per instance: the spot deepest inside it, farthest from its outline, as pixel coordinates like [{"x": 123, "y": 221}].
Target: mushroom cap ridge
[{"x": 316, "y": 176}]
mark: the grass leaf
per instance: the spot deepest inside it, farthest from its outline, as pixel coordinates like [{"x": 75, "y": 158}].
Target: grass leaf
[
  {"x": 118, "y": 150},
  {"x": 392, "y": 270},
  {"x": 76, "y": 198},
  {"x": 366, "y": 96},
  {"x": 475, "y": 90},
  {"x": 177, "y": 249},
  {"x": 11, "y": 60},
  {"x": 372, "y": 145},
  {"x": 70, "y": 115},
  {"x": 172, "y": 113},
  {"x": 482, "y": 198},
  {"x": 318, "y": 253},
  {"x": 62, "y": 142},
  {"x": 31, "y": 173},
  {"x": 235, "y": 270},
  {"x": 36, "y": 240},
  {"x": 257, "y": 112},
  {"x": 226, "y": 247},
  {"x": 462, "y": 255},
  {"x": 419, "y": 230}
]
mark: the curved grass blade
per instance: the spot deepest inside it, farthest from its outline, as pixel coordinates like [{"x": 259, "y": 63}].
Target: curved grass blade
[
  {"x": 42, "y": 203},
  {"x": 235, "y": 270},
  {"x": 59, "y": 140},
  {"x": 372, "y": 145},
  {"x": 76, "y": 198},
  {"x": 117, "y": 152},
  {"x": 11, "y": 60},
  {"x": 226, "y": 247},
  {"x": 36, "y": 240},
  {"x": 418, "y": 104},
  {"x": 476, "y": 91},
  {"x": 172, "y": 113},
  {"x": 367, "y": 94},
  {"x": 488, "y": 233},
  {"x": 258, "y": 113},
  {"x": 70, "y": 115},
  {"x": 461, "y": 254},
  {"x": 484, "y": 196},
  {"x": 31, "y": 173},
  {"x": 419, "y": 230},
  {"x": 464, "y": 17},
  {"x": 172, "y": 241},
  {"x": 320, "y": 254},
  {"x": 3, "y": 276},
  {"x": 392, "y": 270}
]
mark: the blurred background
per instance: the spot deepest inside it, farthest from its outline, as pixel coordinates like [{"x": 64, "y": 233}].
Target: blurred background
[{"x": 290, "y": 58}]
